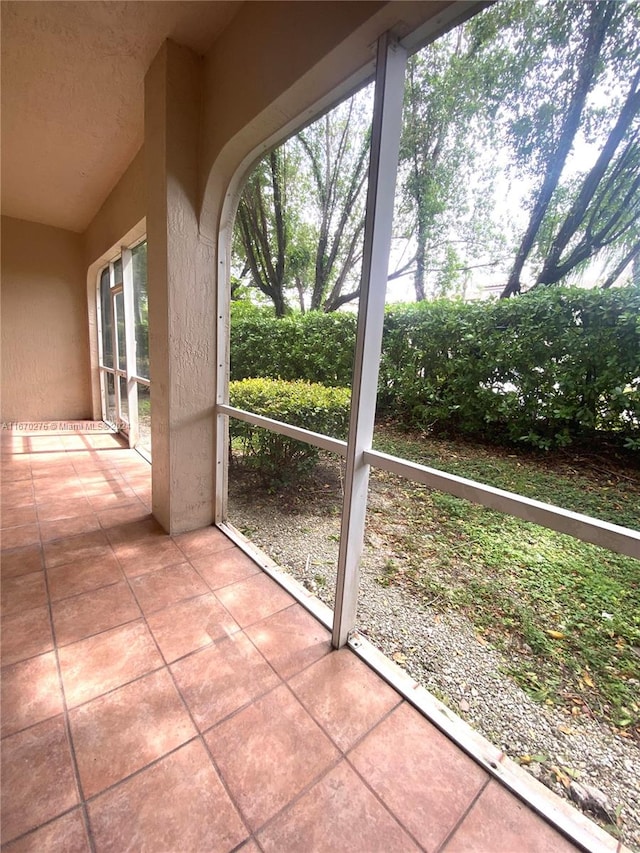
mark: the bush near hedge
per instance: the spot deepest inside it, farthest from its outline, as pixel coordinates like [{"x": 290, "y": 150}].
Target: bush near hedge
[
  {"x": 278, "y": 459},
  {"x": 316, "y": 347},
  {"x": 544, "y": 368}
]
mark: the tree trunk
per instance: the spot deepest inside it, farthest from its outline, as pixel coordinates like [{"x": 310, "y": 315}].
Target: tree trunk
[
  {"x": 601, "y": 15},
  {"x": 632, "y": 255},
  {"x": 576, "y": 215},
  {"x": 419, "y": 275}
]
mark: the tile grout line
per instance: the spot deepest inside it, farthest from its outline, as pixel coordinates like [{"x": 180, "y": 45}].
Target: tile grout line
[
  {"x": 199, "y": 734},
  {"x": 451, "y": 834},
  {"x": 200, "y": 737},
  {"x": 66, "y": 718},
  {"x": 301, "y": 793},
  {"x": 281, "y": 682},
  {"x": 67, "y": 722},
  {"x": 366, "y": 782},
  {"x": 6, "y": 844},
  {"x": 343, "y": 756}
]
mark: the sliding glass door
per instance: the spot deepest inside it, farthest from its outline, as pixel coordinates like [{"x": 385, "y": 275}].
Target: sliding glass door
[{"x": 123, "y": 324}]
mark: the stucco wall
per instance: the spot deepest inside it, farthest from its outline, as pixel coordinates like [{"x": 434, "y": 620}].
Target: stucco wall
[
  {"x": 45, "y": 340},
  {"x": 275, "y": 66},
  {"x": 268, "y": 47},
  {"x": 121, "y": 211}
]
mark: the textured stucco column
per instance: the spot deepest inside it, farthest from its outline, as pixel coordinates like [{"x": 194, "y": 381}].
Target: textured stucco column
[{"x": 181, "y": 297}]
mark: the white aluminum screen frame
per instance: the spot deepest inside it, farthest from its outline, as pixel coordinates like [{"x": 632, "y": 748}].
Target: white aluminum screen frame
[{"x": 358, "y": 451}]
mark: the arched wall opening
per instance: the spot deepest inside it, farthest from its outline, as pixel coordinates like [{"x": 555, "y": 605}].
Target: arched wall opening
[{"x": 359, "y": 445}]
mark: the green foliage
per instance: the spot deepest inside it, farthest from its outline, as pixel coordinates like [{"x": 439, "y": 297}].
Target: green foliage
[
  {"x": 267, "y": 235},
  {"x": 277, "y": 459},
  {"x": 446, "y": 226},
  {"x": 570, "y": 54},
  {"x": 316, "y": 347},
  {"x": 552, "y": 366},
  {"x": 521, "y": 581},
  {"x": 336, "y": 151},
  {"x": 298, "y": 233},
  {"x": 544, "y": 369}
]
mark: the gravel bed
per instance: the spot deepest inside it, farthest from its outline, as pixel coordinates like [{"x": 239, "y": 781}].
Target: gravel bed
[{"x": 443, "y": 653}]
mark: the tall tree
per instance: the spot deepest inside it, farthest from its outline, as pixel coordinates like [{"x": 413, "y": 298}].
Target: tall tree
[
  {"x": 337, "y": 148},
  {"x": 631, "y": 257},
  {"x": 300, "y": 219},
  {"x": 573, "y": 217},
  {"x": 267, "y": 229},
  {"x": 453, "y": 90},
  {"x": 608, "y": 202}
]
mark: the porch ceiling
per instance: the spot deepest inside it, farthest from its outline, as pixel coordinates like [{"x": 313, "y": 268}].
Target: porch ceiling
[{"x": 72, "y": 96}]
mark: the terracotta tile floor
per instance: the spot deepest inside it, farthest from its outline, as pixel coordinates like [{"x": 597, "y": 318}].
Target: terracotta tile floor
[{"x": 163, "y": 694}]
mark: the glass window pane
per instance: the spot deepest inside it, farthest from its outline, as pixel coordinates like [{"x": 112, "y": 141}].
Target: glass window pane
[
  {"x": 106, "y": 320},
  {"x": 110, "y": 399},
  {"x": 117, "y": 272},
  {"x": 124, "y": 401},
  {"x": 141, "y": 308},
  {"x": 144, "y": 418},
  {"x": 122, "y": 354}
]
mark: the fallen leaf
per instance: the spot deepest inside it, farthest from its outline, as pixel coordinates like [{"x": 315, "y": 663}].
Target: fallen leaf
[
  {"x": 587, "y": 679},
  {"x": 539, "y": 757},
  {"x": 574, "y": 774},
  {"x": 566, "y": 730},
  {"x": 555, "y": 635},
  {"x": 398, "y": 657},
  {"x": 560, "y": 776}
]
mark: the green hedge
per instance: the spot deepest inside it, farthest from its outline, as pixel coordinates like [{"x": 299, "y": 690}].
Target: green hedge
[
  {"x": 276, "y": 458},
  {"x": 316, "y": 347},
  {"x": 543, "y": 368}
]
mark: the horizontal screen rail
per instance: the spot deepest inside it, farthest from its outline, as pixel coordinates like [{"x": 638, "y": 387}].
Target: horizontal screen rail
[
  {"x": 114, "y": 371},
  {"x": 334, "y": 445},
  {"x": 117, "y": 371},
  {"x": 603, "y": 533}
]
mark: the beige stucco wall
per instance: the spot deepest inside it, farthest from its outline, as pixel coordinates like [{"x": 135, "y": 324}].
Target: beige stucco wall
[
  {"x": 45, "y": 340},
  {"x": 275, "y": 67},
  {"x": 203, "y": 119},
  {"x": 122, "y": 211}
]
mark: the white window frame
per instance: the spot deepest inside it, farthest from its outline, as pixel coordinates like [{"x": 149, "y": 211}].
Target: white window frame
[{"x": 128, "y": 426}]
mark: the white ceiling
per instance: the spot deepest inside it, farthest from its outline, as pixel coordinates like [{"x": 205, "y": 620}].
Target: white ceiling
[{"x": 72, "y": 95}]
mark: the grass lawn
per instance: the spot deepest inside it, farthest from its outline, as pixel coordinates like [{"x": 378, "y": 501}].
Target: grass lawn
[{"x": 566, "y": 613}]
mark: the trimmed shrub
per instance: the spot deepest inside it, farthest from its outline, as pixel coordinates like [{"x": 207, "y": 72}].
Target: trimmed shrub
[
  {"x": 544, "y": 368},
  {"x": 316, "y": 347},
  {"x": 277, "y": 459}
]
